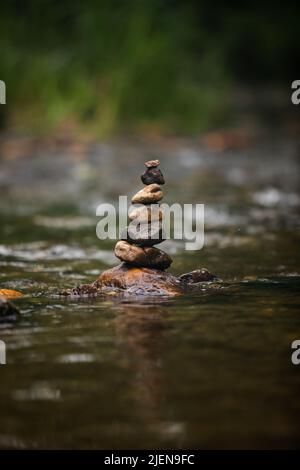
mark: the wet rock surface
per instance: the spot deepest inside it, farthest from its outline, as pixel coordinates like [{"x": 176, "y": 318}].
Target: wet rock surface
[
  {"x": 152, "y": 175},
  {"x": 152, "y": 163},
  {"x": 144, "y": 234},
  {"x": 145, "y": 257},
  {"x": 140, "y": 281},
  {"x": 199, "y": 275},
  {"x": 150, "y": 213},
  {"x": 148, "y": 195},
  {"x": 129, "y": 279},
  {"x": 85, "y": 290}
]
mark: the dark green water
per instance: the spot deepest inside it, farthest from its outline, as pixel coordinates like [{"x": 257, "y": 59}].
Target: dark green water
[{"x": 203, "y": 371}]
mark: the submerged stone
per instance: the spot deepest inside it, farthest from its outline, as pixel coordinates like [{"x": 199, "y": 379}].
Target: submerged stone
[
  {"x": 139, "y": 281},
  {"x": 85, "y": 290},
  {"x": 198, "y": 275},
  {"x": 7, "y": 310}
]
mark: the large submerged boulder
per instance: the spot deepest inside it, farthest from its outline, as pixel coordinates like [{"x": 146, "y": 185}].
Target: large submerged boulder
[
  {"x": 140, "y": 280},
  {"x": 129, "y": 279}
]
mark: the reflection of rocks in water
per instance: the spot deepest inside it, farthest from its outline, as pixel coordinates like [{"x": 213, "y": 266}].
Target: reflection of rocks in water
[{"x": 142, "y": 331}]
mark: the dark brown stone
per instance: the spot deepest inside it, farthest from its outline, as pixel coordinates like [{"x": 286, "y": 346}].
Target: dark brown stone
[
  {"x": 199, "y": 275},
  {"x": 7, "y": 310},
  {"x": 85, "y": 290},
  {"x": 152, "y": 175},
  {"x": 144, "y": 234}
]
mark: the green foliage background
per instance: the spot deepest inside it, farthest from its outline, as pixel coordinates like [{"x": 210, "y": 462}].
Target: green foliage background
[{"x": 117, "y": 66}]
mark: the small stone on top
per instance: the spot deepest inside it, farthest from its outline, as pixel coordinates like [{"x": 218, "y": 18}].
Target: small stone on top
[{"x": 152, "y": 163}]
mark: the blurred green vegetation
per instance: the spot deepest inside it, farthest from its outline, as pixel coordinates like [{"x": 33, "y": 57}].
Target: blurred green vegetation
[{"x": 118, "y": 66}]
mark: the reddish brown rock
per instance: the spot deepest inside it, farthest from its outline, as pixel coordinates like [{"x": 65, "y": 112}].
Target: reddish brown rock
[
  {"x": 127, "y": 279},
  {"x": 152, "y": 163},
  {"x": 136, "y": 280}
]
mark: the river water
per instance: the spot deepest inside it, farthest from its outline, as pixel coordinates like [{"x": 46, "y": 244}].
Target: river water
[{"x": 212, "y": 369}]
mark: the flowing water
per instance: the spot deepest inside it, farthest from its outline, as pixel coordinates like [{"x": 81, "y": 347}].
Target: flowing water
[{"x": 211, "y": 369}]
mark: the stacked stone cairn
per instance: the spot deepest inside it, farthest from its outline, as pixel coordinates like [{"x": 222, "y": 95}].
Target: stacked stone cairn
[
  {"x": 142, "y": 271},
  {"x": 136, "y": 247}
]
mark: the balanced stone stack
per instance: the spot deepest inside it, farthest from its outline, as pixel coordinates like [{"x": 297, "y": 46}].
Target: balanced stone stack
[
  {"x": 136, "y": 246},
  {"x": 142, "y": 271}
]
